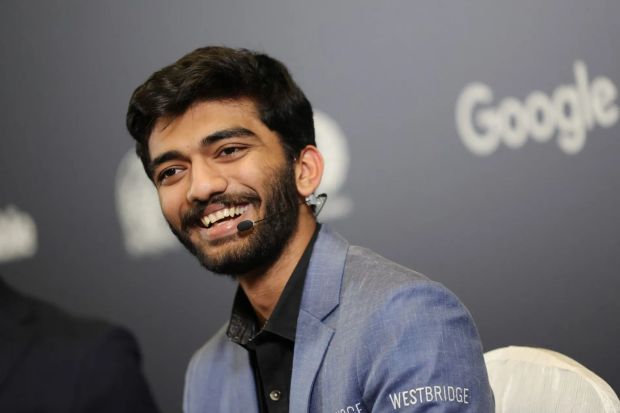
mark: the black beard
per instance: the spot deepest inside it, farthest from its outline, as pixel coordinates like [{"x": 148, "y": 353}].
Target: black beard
[{"x": 265, "y": 242}]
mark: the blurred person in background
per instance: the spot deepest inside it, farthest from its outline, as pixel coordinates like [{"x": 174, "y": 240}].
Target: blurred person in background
[{"x": 53, "y": 362}]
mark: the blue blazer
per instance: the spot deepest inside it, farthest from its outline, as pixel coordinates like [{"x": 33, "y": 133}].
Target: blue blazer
[{"x": 372, "y": 336}]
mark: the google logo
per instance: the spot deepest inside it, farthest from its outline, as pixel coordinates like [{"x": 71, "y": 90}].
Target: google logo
[{"x": 567, "y": 114}]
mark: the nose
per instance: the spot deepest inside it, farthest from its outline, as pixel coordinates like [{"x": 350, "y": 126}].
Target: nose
[{"x": 206, "y": 181}]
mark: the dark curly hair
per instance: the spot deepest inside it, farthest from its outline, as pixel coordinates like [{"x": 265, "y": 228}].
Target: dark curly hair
[{"x": 213, "y": 73}]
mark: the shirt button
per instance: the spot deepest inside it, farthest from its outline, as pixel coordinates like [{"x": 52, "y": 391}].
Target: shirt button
[{"x": 275, "y": 395}]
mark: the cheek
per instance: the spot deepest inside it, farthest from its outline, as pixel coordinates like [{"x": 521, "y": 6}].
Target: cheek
[
  {"x": 170, "y": 203},
  {"x": 243, "y": 178}
]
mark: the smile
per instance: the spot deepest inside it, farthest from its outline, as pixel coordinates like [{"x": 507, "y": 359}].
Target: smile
[{"x": 222, "y": 215}]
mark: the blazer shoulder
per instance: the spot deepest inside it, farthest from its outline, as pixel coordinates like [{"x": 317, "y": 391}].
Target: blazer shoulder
[
  {"x": 375, "y": 288},
  {"x": 215, "y": 374},
  {"x": 213, "y": 348},
  {"x": 371, "y": 274},
  {"x": 417, "y": 335},
  {"x": 217, "y": 355}
]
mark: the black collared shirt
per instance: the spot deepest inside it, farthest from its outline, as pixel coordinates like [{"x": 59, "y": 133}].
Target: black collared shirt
[{"x": 271, "y": 348}]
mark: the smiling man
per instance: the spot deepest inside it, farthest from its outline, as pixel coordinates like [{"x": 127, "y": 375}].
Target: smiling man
[{"x": 317, "y": 325}]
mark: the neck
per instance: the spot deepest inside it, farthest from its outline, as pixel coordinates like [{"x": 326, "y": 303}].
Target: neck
[{"x": 264, "y": 288}]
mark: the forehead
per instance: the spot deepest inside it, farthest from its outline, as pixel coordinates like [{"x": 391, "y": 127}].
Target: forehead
[{"x": 205, "y": 118}]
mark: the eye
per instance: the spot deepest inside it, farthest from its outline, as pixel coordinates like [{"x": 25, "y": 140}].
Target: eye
[
  {"x": 167, "y": 174},
  {"x": 231, "y": 152}
]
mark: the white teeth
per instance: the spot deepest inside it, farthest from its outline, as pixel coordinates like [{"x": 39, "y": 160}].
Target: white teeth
[{"x": 221, "y": 214}]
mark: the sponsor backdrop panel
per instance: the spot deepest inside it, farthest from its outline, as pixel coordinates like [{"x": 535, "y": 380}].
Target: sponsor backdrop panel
[{"x": 473, "y": 141}]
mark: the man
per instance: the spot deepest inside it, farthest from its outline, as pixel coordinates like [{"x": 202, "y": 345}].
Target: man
[
  {"x": 53, "y": 362},
  {"x": 317, "y": 325}
]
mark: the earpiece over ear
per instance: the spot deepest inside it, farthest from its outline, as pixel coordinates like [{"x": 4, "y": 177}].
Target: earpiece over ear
[{"x": 316, "y": 202}]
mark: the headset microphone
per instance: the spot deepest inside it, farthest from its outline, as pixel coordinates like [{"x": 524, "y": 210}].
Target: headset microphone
[
  {"x": 314, "y": 201},
  {"x": 247, "y": 225}
]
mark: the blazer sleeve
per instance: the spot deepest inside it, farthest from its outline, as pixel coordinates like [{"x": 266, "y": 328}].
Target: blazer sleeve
[
  {"x": 110, "y": 377},
  {"x": 423, "y": 354}
]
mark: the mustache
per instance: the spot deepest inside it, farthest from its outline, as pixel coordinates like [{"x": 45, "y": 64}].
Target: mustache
[{"x": 193, "y": 216}]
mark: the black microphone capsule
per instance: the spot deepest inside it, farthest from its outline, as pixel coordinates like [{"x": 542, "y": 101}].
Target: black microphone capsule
[{"x": 245, "y": 225}]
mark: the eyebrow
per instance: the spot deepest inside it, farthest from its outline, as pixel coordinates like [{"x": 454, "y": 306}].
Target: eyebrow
[
  {"x": 227, "y": 133},
  {"x": 208, "y": 140}
]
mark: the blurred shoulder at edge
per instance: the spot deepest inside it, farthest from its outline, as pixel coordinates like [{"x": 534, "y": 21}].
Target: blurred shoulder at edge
[{"x": 55, "y": 362}]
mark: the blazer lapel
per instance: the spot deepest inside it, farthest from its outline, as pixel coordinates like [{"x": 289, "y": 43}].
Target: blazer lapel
[
  {"x": 243, "y": 391},
  {"x": 310, "y": 346},
  {"x": 320, "y": 297}
]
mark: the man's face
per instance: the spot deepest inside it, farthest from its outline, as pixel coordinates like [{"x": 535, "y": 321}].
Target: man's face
[{"x": 215, "y": 166}]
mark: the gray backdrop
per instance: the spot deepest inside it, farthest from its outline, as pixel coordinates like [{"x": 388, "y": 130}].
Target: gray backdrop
[{"x": 464, "y": 138}]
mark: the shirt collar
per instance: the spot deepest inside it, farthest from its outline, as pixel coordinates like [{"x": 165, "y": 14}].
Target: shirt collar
[{"x": 243, "y": 325}]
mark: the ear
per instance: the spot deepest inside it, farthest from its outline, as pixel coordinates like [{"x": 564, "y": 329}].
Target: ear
[{"x": 308, "y": 170}]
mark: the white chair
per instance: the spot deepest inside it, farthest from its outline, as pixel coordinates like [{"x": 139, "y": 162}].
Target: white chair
[{"x": 536, "y": 380}]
